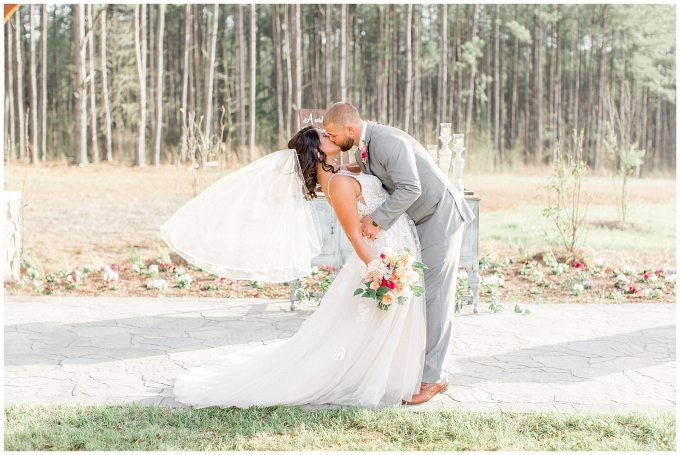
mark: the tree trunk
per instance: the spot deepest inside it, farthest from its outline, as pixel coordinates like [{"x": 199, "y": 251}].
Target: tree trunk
[
  {"x": 105, "y": 92},
  {"x": 253, "y": 80},
  {"x": 382, "y": 30},
  {"x": 210, "y": 74},
  {"x": 658, "y": 151},
  {"x": 443, "y": 60},
  {"x": 80, "y": 142},
  {"x": 409, "y": 70},
  {"x": 289, "y": 72},
  {"x": 35, "y": 152},
  {"x": 603, "y": 83},
  {"x": 159, "y": 86},
  {"x": 58, "y": 133},
  {"x": 550, "y": 70},
  {"x": 589, "y": 108},
  {"x": 343, "y": 52},
  {"x": 459, "y": 88},
  {"x": 394, "y": 72},
  {"x": 240, "y": 59},
  {"x": 417, "y": 89},
  {"x": 9, "y": 60},
  {"x": 558, "y": 80},
  {"x": 538, "y": 84},
  {"x": 329, "y": 55},
  {"x": 296, "y": 59},
  {"x": 43, "y": 81},
  {"x": 643, "y": 138},
  {"x": 487, "y": 70},
  {"x": 151, "y": 72},
  {"x": 185, "y": 78},
  {"x": 497, "y": 88},
  {"x": 471, "y": 82},
  {"x": 276, "y": 35},
  {"x": 577, "y": 78},
  {"x": 451, "y": 104},
  {"x": 198, "y": 67},
  {"x": 527, "y": 114},
  {"x": 93, "y": 100},
  {"x": 140, "y": 53},
  {"x": 515, "y": 77}
]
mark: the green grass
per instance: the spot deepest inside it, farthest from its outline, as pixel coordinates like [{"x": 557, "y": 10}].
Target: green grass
[
  {"x": 292, "y": 428},
  {"x": 527, "y": 226}
]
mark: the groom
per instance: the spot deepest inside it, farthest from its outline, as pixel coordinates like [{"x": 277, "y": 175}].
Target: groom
[{"x": 419, "y": 188}]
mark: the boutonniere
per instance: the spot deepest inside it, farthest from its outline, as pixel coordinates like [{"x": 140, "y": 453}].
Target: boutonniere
[{"x": 364, "y": 152}]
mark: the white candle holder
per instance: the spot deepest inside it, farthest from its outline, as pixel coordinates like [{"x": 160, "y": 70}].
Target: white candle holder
[
  {"x": 458, "y": 162},
  {"x": 432, "y": 149},
  {"x": 445, "y": 154}
]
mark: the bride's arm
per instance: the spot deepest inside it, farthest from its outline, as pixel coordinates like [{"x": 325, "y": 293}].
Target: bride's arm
[{"x": 344, "y": 202}]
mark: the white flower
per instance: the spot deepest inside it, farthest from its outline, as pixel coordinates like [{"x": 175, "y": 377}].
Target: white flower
[
  {"x": 184, "y": 280},
  {"x": 536, "y": 274},
  {"x": 493, "y": 280},
  {"x": 559, "y": 269},
  {"x": 653, "y": 277},
  {"x": 153, "y": 268},
  {"x": 670, "y": 278},
  {"x": 599, "y": 261},
  {"x": 33, "y": 274},
  {"x": 629, "y": 270},
  {"x": 109, "y": 274},
  {"x": 578, "y": 287},
  {"x": 135, "y": 268},
  {"x": 157, "y": 284},
  {"x": 412, "y": 276},
  {"x": 462, "y": 274},
  {"x": 621, "y": 278}
]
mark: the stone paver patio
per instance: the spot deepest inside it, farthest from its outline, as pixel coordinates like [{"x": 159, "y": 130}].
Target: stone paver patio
[{"x": 568, "y": 358}]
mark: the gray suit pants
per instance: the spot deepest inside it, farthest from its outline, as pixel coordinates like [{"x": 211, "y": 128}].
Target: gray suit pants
[{"x": 441, "y": 258}]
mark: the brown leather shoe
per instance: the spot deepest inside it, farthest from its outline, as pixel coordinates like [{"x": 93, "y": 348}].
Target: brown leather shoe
[{"x": 427, "y": 391}]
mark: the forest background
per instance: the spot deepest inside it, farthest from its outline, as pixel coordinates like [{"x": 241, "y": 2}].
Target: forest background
[{"x": 152, "y": 84}]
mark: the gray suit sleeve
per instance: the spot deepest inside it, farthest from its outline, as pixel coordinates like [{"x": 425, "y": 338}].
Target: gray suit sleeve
[{"x": 400, "y": 164}]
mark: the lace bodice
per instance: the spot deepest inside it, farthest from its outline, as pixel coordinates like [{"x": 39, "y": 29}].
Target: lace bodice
[
  {"x": 372, "y": 192},
  {"x": 374, "y": 195}
]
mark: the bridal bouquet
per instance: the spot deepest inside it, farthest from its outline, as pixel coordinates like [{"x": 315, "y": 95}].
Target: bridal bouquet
[{"x": 392, "y": 277}]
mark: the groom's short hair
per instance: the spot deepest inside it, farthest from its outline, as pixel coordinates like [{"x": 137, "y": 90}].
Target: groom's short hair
[{"x": 341, "y": 114}]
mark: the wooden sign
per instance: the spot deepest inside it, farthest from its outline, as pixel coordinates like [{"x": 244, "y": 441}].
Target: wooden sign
[
  {"x": 9, "y": 9},
  {"x": 311, "y": 117}
]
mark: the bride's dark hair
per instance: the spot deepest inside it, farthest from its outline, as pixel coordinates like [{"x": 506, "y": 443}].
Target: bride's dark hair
[{"x": 306, "y": 142}]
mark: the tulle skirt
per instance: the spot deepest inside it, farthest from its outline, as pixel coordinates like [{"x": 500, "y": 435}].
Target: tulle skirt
[{"x": 348, "y": 352}]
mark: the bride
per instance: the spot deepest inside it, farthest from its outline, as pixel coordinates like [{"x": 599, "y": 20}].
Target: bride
[{"x": 348, "y": 352}]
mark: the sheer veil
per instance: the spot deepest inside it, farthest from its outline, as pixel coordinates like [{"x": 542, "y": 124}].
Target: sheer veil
[{"x": 253, "y": 224}]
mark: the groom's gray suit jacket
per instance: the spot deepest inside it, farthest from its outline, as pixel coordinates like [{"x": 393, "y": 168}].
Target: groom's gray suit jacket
[{"x": 413, "y": 180}]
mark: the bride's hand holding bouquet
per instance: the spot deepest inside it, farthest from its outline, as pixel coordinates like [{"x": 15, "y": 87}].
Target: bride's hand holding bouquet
[{"x": 392, "y": 277}]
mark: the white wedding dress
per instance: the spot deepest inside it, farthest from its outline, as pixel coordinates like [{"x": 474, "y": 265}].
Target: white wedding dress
[{"x": 348, "y": 352}]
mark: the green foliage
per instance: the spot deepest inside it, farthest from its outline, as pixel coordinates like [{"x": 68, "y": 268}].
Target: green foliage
[
  {"x": 625, "y": 158},
  {"x": 291, "y": 428},
  {"x": 567, "y": 203},
  {"x": 518, "y": 30}
]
